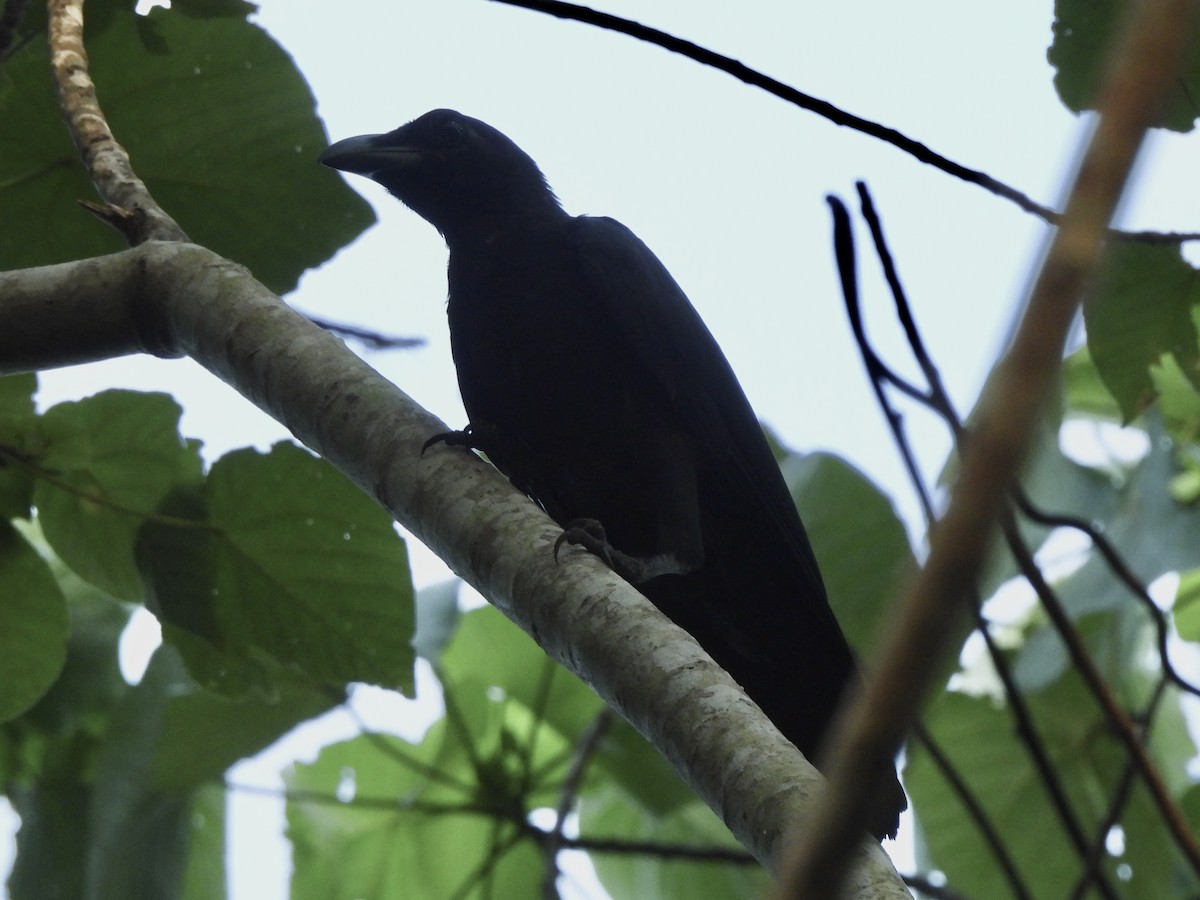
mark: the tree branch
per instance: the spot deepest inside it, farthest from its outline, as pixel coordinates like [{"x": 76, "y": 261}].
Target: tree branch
[
  {"x": 869, "y": 734},
  {"x": 174, "y": 299},
  {"x": 914, "y": 148},
  {"x": 128, "y": 206}
]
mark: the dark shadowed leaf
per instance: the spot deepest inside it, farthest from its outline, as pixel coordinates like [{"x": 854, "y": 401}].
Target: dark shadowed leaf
[
  {"x": 1142, "y": 308},
  {"x": 860, "y": 542},
  {"x": 1084, "y": 33},
  {"x": 33, "y": 624},
  {"x": 17, "y": 430},
  {"x": 979, "y": 736},
  {"x": 113, "y": 458},
  {"x": 309, "y": 569}
]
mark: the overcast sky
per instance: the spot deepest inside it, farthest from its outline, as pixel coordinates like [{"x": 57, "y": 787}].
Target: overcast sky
[{"x": 725, "y": 183}]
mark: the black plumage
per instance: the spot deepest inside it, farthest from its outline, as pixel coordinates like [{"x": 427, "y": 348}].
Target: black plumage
[{"x": 590, "y": 380}]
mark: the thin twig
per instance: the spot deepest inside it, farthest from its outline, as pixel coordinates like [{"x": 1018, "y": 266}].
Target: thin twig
[
  {"x": 406, "y": 760},
  {"x": 1117, "y": 806},
  {"x": 589, "y": 742},
  {"x": 1117, "y": 565},
  {"x": 1115, "y": 716},
  {"x": 866, "y": 738},
  {"x": 127, "y": 204},
  {"x": 897, "y": 139},
  {"x": 937, "y": 400},
  {"x": 373, "y": 339},
  {"x": 976, "y": 813},
  {"x": 654, "y": 849}
]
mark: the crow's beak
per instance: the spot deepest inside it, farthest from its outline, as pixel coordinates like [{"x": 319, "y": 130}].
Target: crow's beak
[{"x": 368, "y": 154}]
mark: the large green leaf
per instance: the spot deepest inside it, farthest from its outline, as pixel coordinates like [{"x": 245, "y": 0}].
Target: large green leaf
[
  {"x": 47, "y": 756},
  {"x": 218, "y": 122},
  {"x": 287, "y": 564},
  {"x": 1084, "y": 33},
  {"x": 979, "y": 737},
  {"x": 1187, "y": 606},
  {"x": 856, "y": 535},
  {"x": 111, "y": 459},
  {"x": 204, "y": 878},
  {"x": 168, "y": 739},
  {"x": 137, "y": 835},
  {"x": 17, "y": 429},
  {"x": 387, "y": 828},
  {"x": 491, "y": 650},
  {"x": 1142, "y": 308},
  {"x": 33, "y": 625}
]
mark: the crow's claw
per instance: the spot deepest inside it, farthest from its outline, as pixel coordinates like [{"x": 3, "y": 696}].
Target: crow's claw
[
  {"x": 588, "y": 534},
  {"x": 464, "y": 438}
]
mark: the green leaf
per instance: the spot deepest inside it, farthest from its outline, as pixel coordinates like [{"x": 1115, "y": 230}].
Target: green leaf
[
  {"x": 1140, "y": 310},
  {"x": 979, "y": 737},
  {"x": 609, "y": 813},
  {"x": 113, "y": 458},
  {"x": 1155, "y": 534},
  {"x": 137, "y": 833},
  {"x": 202, "y": 734},
  {"x": 18, "y": 426},
  {"x": 1084, "y": 34},
  {"x": 218, "y": 122},
  {"x": 76, "y": 708},
  {"x": 491, "y": 650},
  {"x": 1187, "y": 606},
  {"x": 308, "y": 569},
  {"x": 1178, "y": 399},
  {"x": 33, "y": 625},
  {"x": 387, "y": 829},
  {"x": 47, "y": 756},
  {"x": 859, "y": 540},
  {"x": 1085, "y": 389},
  {"x": 204, "y": 876},
  {"x": 16, "y": 400}
]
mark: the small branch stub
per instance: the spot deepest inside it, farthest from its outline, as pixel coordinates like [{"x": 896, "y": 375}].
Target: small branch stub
[{"x": 129, "y": 207}]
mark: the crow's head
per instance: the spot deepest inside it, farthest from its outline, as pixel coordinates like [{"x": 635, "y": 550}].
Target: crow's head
[{"x": 450, "y": 169}]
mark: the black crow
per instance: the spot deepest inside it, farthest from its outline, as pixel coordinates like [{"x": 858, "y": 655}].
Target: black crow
[{"x": 592, "y": 383}]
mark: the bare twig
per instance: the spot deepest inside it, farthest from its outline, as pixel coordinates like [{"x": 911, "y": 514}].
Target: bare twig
[
  {"x": 1102, "y": 545},
  {"x": 824, "y": 108},
  {"x": 127, "y": 204},
  {"x": 373, "y": 339},
  {"x": 655, "y": 849},
  {"x": 977, "y": 814},
  {"x": 867, "y": 737},
  {"x": 589, "y": 741},
  {"x": 937, "y": 399},
  {"x": 1118, "y": 720},
  {"x": 1116, "y": 807}
]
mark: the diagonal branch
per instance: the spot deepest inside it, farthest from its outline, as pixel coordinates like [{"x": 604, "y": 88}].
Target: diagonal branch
[
  {"x": 824, "y": 108},
  {"x": 176, "y": 299}
]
